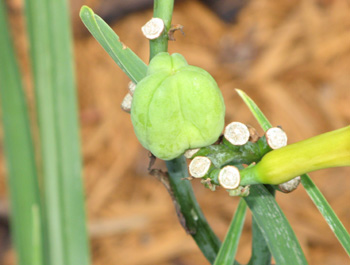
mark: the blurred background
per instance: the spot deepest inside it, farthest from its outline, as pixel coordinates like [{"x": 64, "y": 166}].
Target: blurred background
[{"x": 291, "y": 57}]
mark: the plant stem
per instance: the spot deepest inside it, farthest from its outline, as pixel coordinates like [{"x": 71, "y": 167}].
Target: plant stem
[
  {"x": 162, "y": 9},
  {"x": 195, "y": 221}
]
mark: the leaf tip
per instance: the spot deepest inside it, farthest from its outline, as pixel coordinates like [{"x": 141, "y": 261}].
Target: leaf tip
[
  {"x": 240, "y": 92},
  {"x": 84, "y": 10}
]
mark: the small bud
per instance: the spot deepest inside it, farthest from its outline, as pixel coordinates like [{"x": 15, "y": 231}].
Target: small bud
[
  {"x": 126, "y": 104},
  {"x": 131, "y": 87},
  {"x": 199, "y": 166},
  {"x": 290, "y": 185},
  {"x": 237, "y": 133},
  {"x": 242, "y": 191},
  {"x": 153, "y": 28},
  {"x": 190, "y": 153},
  {"x": 207, "y": 183},
  {"x": 276, "y": 138},
  {"x": 229, "y": 177}
]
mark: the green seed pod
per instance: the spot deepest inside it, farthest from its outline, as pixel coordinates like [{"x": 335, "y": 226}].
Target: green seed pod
[{"x": 176, "y": 107}]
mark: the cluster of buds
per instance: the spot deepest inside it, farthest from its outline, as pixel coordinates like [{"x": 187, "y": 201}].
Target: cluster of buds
[{"x": 220, "y": 164}]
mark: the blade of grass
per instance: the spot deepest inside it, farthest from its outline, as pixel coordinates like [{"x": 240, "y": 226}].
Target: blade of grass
[
  {"x": 260, "y": 251},
  {"x": 311, "y": 189},
  {"x": 327, "y": 211},
  {"x": 19, "y": 151},
  {"x": 125, "y": 58},
  {"x": 228, "y": 249},
  {"x": 41, "y": 61},
  {"x": 51, "y": 57},
  {"x": 259, "y": 116},
  {"x": 68, "y": 139},
  {"x": 274, "y": 226}
]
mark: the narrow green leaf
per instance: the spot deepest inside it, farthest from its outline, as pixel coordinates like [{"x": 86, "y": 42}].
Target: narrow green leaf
[
  {"x": 19, "y": 152},
  {"x": 125, "y": 58},
  {"x": 68, "y": 138},
  {"x": 260, "y": 251},
  {"x": 274, "y": 226},
  {"x": 228, "y": 249},
  {"x": 327, "y": 211},
  {"x": 311, "y": 189},
  {"x": 37, "y": 238},
  {"x": 259, "y": 116},
  {"x": 52, "y": 64},
  {"x": 41, "y": 60}
]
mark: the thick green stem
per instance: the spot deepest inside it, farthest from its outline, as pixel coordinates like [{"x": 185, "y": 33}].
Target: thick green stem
[
  {"x": 327, "y": 150},
  {"x": 195, "y": 221},
  {"x": 162, "y": 9}
]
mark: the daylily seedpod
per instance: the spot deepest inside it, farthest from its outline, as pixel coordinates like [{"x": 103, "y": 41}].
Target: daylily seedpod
[{"x": 176, "y": 107}]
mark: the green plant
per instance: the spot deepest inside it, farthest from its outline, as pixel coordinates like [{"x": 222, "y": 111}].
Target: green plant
[
  {"x": 48, "y": 220},
  {"x": 48, "y": 215},
  {"x": 271, "y": 230}
]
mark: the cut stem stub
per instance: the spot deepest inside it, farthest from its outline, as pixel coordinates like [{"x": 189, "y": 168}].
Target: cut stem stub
[
  {"x": 276, "y": 138},
  {"x": 153, "y": 28},
  {"x": 237, "y": 133},
  {"x": 126, "y": 104},
  {"x": 290, "y": 185},
  {"x": 229, "y": 177},
  {"x": 190, "y": 153},
  {"x": 199, "y": 166}
]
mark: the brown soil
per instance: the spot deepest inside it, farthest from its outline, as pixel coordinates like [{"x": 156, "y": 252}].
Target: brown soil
[{"x": 291, "y": 57}]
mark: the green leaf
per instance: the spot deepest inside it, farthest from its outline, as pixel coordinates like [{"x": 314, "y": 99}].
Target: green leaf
[
  {"x": 327, "y": 211},
  {"x": 260, "y": 251},
  {"x": 228, "y": 249},
  {"x": 125, "y": 58},
  {"x": 274, "y": 226},
  {"x": 52, "y": 63},
  {"x": 20, "y": 156},
  {"x": 259, "y": 116}
]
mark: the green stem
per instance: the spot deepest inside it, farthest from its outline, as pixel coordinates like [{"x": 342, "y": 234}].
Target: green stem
[
  {"x": 162, "y": 9},
  {"x": 327, "y": 150},
  {"x": 195, "y": 221},
  {"x": 226, "y": 154}
]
